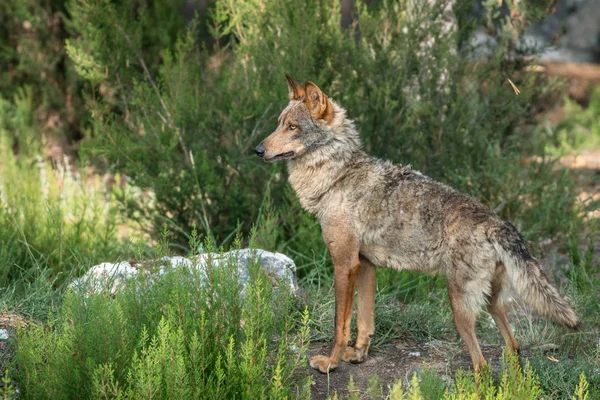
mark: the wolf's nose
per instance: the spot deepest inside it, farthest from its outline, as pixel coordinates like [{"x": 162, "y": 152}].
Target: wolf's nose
[{"x": 259, "y": 150}]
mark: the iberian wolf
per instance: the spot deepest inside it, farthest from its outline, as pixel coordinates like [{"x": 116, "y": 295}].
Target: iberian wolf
[{"x": 377, "y": 214}]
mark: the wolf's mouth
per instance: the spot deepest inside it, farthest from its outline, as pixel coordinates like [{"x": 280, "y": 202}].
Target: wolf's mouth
[{"x": 282, "y": 156}]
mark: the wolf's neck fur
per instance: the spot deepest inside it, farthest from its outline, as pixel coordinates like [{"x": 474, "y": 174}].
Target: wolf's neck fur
[{"x": 312, "y": 174}]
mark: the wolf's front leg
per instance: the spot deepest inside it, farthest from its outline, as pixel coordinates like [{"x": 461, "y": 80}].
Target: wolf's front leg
[
  {"x": 345, "y": 258},
  {"x": 365, "y": 304}
]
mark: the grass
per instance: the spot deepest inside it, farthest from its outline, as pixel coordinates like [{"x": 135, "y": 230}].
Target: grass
[
  {"x": 139, "y": 342},
  {"x": 188, "y": 335},
  {"x": 182, "y": 338},
  {"x": 578, "y": 129},
  {"x": 53, "y": 226},
  {"x": 53, "y": 221}
]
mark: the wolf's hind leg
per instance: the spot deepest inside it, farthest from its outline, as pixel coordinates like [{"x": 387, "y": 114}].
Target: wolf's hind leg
[
  {"x": 498, "y": 310},
  {"x": 464, "y": 318},
  {"x": 365, "y": 304}
]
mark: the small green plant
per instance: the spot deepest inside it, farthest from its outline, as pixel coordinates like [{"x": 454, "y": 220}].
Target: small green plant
[
  {"x": 512, "y": 383},
  {"x": 7, "y": 391},
  {"x": 581, "y": 392},
  {"x": 189, "y": 334}
]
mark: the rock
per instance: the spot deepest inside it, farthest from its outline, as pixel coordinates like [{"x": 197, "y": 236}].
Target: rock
[
  {"x": 570, "y": 33},
  {"x": 106, "y": 277},
  {"x": 279, "y": 267},
  {"x": 109, "y": 278},
  {"x": 3, "y": 334},
  {"x": 581, "y": 42}
]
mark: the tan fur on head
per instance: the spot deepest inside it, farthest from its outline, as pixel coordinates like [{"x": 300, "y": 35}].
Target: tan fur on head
[
  {"x": 318, "y": 103},
  {"x": 295, "y": 90},
  {"x": 315, "y": 99}
]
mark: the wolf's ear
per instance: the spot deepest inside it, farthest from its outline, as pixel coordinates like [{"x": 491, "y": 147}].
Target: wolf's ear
[
  {"x": 295, "y": 90},
  {"x": 317, "y": 102}
]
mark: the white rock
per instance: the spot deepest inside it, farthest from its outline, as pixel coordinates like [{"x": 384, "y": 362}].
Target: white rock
[
  {"x": 3, "y": 334},
  {"x": 279, "y": 267},
  {"x": 108, "y": 277},
  {"x": 175, "y": 262}
]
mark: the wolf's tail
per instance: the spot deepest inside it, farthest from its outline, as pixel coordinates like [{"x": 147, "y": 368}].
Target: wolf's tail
[{"x": 528, "y": 279}]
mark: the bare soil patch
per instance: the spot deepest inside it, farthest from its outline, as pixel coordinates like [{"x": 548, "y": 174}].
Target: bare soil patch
[{"x": 400, "y": 360}]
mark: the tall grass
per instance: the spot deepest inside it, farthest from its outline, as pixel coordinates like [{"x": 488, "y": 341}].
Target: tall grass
[{"x": 54, "y": 222}]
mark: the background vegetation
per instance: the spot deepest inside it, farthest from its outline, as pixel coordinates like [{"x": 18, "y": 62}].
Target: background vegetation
[{"x": 120, "y": 121}]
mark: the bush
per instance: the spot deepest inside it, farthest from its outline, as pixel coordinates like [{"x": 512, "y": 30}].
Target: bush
[
  {"x": 183, "y": 337},
  {"x": 53, "y": 222},
  {"x": 579, "y": 129},
  {"x": 32, "y": 35},
  {"x": 32, "y": 40},
  {"x": 187, "y": 132}
]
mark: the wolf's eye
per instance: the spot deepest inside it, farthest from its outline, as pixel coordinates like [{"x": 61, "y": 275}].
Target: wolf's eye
[{"x": 292, "y": 127}]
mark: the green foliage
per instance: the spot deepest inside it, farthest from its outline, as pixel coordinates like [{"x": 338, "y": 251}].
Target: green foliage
[
  {"x": 186, "y": 335},
  {"x": 581, "y": 392},
  {"x": 579, "y": 129},
  {"x": 186, "y": 130},
  {"x": 557, "y": 380},
  {"x": 32, "y": 34},
  {"x": 33, "y": 54},
  {"x": 7, "y": 391},
  {"x": 53, "y": 222},
  {"x": 583, "y": 271},
  {"x": 512, "y": 383}
]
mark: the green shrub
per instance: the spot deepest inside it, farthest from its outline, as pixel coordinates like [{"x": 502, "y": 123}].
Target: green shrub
[
  {"x": 187, "y": 131},
  {"x": 182, "y": 337},
  {"x": 53, "y": 222},
  {"x": 32, "y": 54},
  {"x": 579, "y": 129},
  {"x": 32, "y": 35}
]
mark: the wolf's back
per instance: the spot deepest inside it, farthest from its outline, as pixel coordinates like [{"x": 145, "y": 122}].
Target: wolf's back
[{"x": 528, "y": 279}]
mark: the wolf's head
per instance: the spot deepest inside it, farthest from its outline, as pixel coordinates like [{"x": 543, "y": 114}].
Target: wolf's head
[{"x": 310, "y": 121}]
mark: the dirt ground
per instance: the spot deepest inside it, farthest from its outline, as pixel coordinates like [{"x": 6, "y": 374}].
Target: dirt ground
[{"x": 399, "y": 360}]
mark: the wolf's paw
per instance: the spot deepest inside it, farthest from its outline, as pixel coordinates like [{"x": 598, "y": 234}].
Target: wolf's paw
[
  {"x": 323, "y": 363},
  {"x": 353, "y": 355}
]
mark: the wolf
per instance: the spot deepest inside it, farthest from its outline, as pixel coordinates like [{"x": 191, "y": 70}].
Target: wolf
[{"x": 374, "y": 213}]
